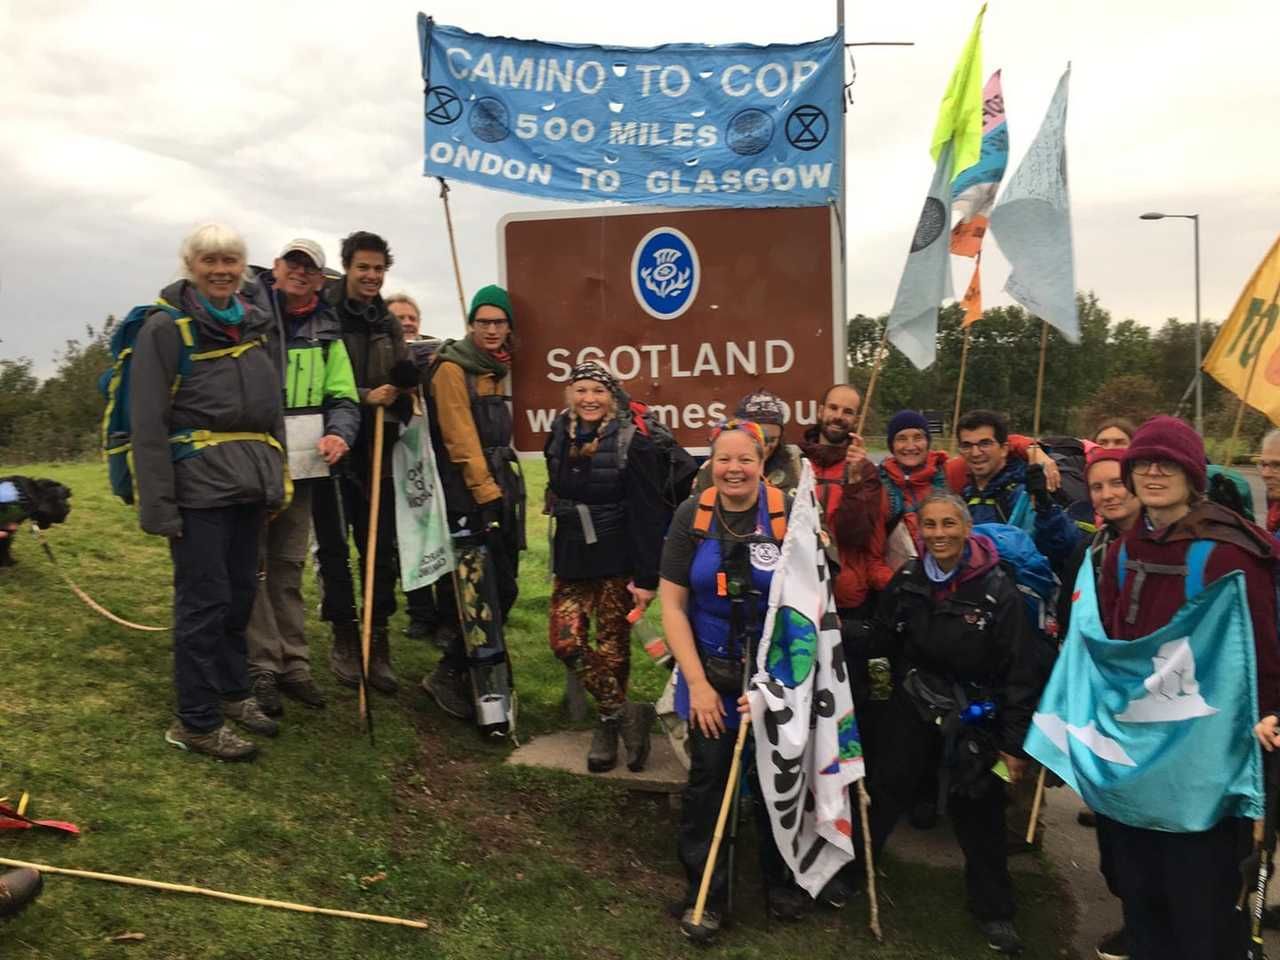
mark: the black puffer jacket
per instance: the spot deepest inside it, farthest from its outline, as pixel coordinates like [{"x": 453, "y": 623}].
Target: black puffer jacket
[
  {"x": 974, "y": 631},
  {"x": 627, "y": 513}
]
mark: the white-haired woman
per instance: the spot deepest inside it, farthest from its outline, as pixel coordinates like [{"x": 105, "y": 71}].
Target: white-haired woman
[
  {"x": 208, "y": 434},
  {"x": 604, "y": 481},
  {"x": 1269, "y": 467}
]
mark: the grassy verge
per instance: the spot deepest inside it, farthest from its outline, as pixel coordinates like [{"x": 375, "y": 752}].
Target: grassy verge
[{"x": 501, "y": 861}]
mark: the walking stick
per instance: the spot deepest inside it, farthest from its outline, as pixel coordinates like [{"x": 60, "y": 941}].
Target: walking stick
[
  {"x": 735, "y": 769},
  {"x": 371, "y": 549},
  {"x": 1035, "y": 807},
  {"x": 864, "y": 801}
]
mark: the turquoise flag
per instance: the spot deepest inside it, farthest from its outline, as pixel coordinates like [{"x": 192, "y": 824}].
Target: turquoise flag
[{"x": 1157, "y": 732}]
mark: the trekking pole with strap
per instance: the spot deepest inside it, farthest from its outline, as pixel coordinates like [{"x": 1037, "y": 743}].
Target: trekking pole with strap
[
  {"x": 1264, "y": 840},
  {"x": 735, "y": 770},
  {"x": 371, "y": 549},
  {"x": 746, "y": 631}
]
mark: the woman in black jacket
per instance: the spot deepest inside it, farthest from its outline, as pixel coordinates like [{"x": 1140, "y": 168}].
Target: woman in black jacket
[
  {"x": 954, "y": 627},
  {"x": 604, "y": 484}
]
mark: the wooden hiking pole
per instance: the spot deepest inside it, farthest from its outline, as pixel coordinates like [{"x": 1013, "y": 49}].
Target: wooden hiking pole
[
  {"x": 371, "y": 549},
  {"x": 217, "y": 894},
  {"x": 735, "y": 770},
  {"x": 453, "y": 246},
  {"x": 875, "y": 375},
  {"x": 864, "y": 802},
  {"x": 1035, "y": 807},
  {"x": 1044, "y": 343},
  {"x": 955, "y": 414}
]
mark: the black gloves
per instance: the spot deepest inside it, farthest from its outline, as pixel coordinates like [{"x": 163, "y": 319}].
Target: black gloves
[
  {"x": 491, "y": 516},
  {"x": 1038, "y": 488},
  {"x": 44, "y": 501}
]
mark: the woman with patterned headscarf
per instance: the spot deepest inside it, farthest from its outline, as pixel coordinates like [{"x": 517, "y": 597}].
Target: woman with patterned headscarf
[{"x": 604, "y": 481}]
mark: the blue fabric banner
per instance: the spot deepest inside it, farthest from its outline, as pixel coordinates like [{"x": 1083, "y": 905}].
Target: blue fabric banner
[
  {"x": 1157, "y": 732},
  {"x": 682, "y": 124}
]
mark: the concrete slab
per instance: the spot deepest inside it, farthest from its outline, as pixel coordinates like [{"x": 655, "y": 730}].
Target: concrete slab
[{"x": 567, "y": 751}]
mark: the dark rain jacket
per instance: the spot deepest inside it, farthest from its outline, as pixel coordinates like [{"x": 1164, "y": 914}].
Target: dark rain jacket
[{"x": 229, "y": 394}]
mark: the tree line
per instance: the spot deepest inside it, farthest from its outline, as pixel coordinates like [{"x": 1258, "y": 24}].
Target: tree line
[{"x": 1118, "y": 369}]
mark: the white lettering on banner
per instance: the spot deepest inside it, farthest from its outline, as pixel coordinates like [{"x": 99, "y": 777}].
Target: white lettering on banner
[
  {"x": 694, "y": 416},
  {"x": 547, "y": 74},
  {"x": 771, "y": 79},
  {"x": 449, "y": 56},
  {"x": 756, "y": 180},
  {"x": 682, "y": 77},
  {"x": 644, "y": 133},
  {"x": 462, "y": 156},
  {"x": 714, "y": 358}
]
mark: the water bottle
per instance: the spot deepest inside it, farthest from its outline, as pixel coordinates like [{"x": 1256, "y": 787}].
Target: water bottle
[{"x": 655, "y": 645}]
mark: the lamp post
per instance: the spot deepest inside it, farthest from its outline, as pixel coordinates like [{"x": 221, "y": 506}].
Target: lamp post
[{"x": 1195, "y": 220}]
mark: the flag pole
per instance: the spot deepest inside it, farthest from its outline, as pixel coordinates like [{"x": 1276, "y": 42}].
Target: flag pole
[
  {"x": 864, "y": 801},
  {"x": 875, "y": 374},
  {"x": 1044, "y": 343},
  {"x": 964, "y": 361}
]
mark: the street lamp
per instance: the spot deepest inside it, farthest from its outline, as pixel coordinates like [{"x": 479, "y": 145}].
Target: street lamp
[{"x": 1195, "y": 219}]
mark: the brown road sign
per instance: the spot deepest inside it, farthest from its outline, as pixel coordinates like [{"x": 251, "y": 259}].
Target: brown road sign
[{"x": 691, "y": 309}]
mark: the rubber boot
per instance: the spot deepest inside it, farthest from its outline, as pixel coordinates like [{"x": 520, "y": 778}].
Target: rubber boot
[
  {"x": 344, "y": 655},
  {"x": 637, "y": 724},
  {"x": 603, "y": 754},
  {"x": 380, "y": 676}
]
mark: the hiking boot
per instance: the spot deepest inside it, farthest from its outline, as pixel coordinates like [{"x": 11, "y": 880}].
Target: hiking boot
[
  {"x": 1114, "y": 946},
  {"x": 637, "y": 724},
  {"x": 221, "y": 744},
  {"x": 836, "y": 893},
  {"x": 451, "y": 690},
  {"x": 265, "y": 691},
  {"x": 18, "y": 888},
  {"x": 1087, "y": 818},
  {"x": 603, "y": 754},
  {"x": 1001, "y": 936},
  {"x": 344, "y": 655},
  {"x": 380, "y": 676},
  {"x": 302, "y": 689},
  {"x": 704, "y": 932},
  {"x": 924, "y": 815},
  {"x": 788, "y": 904},
  {"x": 249, "y": 715}
]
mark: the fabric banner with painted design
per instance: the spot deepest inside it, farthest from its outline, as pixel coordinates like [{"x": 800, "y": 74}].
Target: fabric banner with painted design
[
  {"x": 1245, "y": 356},
  {"x": 683, "y": 124},
  {"x": 973, "y": 192},
  {"x": 422, "y": 525},
  {"x": 1157, "y": 732},
  {"x": 1032, "y": 224},
  {"x": 806, "y": 737}
]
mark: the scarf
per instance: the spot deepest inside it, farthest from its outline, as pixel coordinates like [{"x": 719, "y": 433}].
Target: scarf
[
  {"x": 936, "y": 574},
  {"x": 231, "y": 315},
  {"x": 471, "y": 358},
  {"x": 297, "y": 313}
]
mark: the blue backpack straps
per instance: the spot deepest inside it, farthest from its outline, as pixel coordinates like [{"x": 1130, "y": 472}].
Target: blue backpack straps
[
  {"x": 1197, "y": 559},
  {"x": 1191, "y": 570}
]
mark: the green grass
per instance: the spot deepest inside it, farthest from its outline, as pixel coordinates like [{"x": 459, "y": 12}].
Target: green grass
[{"x": 501, "y": 861}]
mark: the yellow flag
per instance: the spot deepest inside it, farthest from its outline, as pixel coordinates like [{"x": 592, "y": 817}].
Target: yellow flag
[
  {"x": 1245, "y": 356},
  {"x": 960, "y": 118}
]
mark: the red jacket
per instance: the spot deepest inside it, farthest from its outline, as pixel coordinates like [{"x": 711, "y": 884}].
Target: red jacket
[
  {"x": 1240, "y": 546},
  {"x": 854, "y": 515}
]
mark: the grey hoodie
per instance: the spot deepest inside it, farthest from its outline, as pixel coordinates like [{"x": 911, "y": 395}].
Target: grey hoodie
[{"x": 226, "y": 394}]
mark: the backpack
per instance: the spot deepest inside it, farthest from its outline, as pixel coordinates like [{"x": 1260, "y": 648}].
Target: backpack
[
  {"x": 1191, "y": 571},
  {"x": 1031, "y": 573},
  {"x": 1069, "y": 454},
  {"x": 1229, "y": 489},
  {"x": 775, "y": 502},
  {"x": 113, "y": 384},
  {"x": 679, "y": 467}
]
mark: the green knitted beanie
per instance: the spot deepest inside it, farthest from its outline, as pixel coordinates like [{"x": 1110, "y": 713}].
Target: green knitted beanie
[{"x": 491, "y": 296}]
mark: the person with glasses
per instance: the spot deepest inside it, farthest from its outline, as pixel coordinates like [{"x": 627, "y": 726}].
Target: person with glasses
[
  {"x": 322, "y": 415},
  {"x": 1179, "y": 889},
  {"x": 1269, "y": 467},
  {"x": 375, "y": 344},
  {"x": 484, "y": 492},
  {"x": 1003, "y": 490}
]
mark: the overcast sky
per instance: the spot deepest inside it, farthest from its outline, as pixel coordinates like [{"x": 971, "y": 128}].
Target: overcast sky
[{"x": 128, "y": 122}]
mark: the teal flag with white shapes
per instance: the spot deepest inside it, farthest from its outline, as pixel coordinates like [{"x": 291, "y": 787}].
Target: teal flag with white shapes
[{"x": 1157, "y": 732}]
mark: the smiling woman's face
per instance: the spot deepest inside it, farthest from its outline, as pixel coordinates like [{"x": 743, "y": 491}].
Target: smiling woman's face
[
  {"x": 944, "y": 529},
  {"x": 1160, "y": 483}
]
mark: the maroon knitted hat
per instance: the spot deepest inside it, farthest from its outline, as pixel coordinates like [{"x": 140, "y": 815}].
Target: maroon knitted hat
[{"x": 1168, "y": 438}]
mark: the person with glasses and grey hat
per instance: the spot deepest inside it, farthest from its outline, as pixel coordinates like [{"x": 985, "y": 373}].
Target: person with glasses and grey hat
[
  {"x": 604, "y": 481},
  {"x": 485, "y": 500},
  {"x": 781, "y": 460},
  {"x": 322, "y": 419},
  {"x": 375, "y": 345}
]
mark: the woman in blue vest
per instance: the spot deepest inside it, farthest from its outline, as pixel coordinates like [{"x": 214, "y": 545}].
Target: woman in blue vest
[
  {"x": 717, "y": 564},
  {"x": 604, "y": 487}
]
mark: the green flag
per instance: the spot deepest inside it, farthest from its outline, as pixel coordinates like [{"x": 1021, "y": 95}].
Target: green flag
[{"x": 960, "y": 117}]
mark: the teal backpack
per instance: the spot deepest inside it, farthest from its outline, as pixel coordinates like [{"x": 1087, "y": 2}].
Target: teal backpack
[
  {"x": 117, "y": 447},
  {"x": 1228, "y": 488}
]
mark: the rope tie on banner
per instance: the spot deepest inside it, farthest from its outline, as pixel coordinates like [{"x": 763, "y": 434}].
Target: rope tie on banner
[{"x": 84, "y": 597}]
